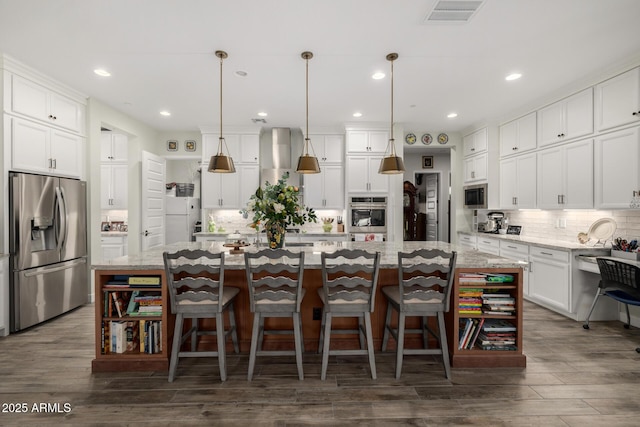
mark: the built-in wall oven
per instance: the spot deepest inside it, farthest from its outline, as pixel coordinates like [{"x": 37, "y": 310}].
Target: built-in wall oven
[{"x": 368, "y": 218}]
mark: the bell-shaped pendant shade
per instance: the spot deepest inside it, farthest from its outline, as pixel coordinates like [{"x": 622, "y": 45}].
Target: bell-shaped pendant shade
[
  {"x": 391, "y": 165},
  {"x": 221, "y": 164},
  {"x": 308, "y": 164}
]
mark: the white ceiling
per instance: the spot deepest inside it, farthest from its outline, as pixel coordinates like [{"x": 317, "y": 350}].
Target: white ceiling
[{"x": 160, "y": 54}]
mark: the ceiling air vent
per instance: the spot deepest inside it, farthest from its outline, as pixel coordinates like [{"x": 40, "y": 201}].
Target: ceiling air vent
[
  {"x": 258, "y": 120},
  {"x": 453, "y": 11}
]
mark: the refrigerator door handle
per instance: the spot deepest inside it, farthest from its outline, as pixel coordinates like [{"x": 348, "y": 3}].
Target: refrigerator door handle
[
  {"x": 62, "y": 211},
  {"x": 58, "y": 267}
]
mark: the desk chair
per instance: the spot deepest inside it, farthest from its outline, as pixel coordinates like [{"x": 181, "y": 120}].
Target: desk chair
[
  {"x": 274, "y": 278},
  {"x": 619, "y": 280},
  {"x": 425, "y": 280},
  {"x": 195, "y": 279},
  {"x": 348, "y": 290}
]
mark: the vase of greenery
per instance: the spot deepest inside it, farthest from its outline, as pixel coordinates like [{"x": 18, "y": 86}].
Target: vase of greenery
[{"x": 277, "y": 206}]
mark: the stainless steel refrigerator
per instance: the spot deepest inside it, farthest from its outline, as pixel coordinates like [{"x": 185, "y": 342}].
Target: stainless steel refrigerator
[{"x": 48, "y": 247}]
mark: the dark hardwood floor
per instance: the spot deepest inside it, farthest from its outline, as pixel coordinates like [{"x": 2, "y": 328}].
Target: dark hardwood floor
[{"x": 574, "y": 377}]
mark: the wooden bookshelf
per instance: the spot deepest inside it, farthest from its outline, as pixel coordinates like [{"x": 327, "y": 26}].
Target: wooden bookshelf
[
  {"x": 476, "y": 357},
  {"x": 133, "y": 360}
]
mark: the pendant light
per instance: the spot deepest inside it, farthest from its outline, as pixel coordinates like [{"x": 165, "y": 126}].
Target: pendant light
[
  {"x": 391, "y": 164},
  {"x": 221, "y": 163},
  {"x": 307, "y": 163}
]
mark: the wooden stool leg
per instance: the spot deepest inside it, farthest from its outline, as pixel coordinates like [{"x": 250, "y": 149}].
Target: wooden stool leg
[
  {"x": 372, "y": 358},
  {"x": 297, "y": 333},
  {"x": 442, "y": 333},
  {"x": 361, "y": 332},
  {"x": 221, "y": 346},
  {"x": 321, "y": 339},
  {"x": 254, "y": 344},
  {"x": 400, "y": 350},
  {"x": 325, "y": 349},
  {"x": 234, "y": 328},
  {"x": 387, "y": 325},
  {"x": 177, "y": 339}
]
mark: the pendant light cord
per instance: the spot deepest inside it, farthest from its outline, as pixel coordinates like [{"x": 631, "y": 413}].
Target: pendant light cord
[
  {"x": 393, "y": 144},
  {"x": 220, "y": 139}
]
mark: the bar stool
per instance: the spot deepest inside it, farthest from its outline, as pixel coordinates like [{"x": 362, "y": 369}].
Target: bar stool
[
  {"x": 348, "y": 290},
  {"x": 425, "y": 279},
  {"x": 195, "y": 279},
  {"x": 275, "y": 290}
]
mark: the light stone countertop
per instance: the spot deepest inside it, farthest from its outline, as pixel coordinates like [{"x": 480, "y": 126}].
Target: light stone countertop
[
  {"x": 545, "y": 243},
  {"x": 152, "y": 259},
  {"x": 113, "y": 233},
  {"x": 252, "y": 233}
]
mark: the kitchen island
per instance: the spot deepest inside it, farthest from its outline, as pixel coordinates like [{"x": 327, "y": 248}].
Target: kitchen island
[{"x": 150, "y": 263}]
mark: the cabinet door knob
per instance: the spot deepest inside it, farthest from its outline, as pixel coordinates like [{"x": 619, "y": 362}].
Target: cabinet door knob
[{"x": 635, "y": 113}]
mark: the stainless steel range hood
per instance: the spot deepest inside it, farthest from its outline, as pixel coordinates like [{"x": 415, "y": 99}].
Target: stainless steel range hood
[{"x": 277, "y": 149}]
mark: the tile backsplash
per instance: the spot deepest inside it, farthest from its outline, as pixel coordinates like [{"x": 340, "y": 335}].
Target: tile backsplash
[
  {"x": 232, "y": 220},
  {"x": 547, "y": 224}
]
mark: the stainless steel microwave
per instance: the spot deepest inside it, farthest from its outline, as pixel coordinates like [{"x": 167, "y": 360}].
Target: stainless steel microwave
[{"x": 475, "y": 196}]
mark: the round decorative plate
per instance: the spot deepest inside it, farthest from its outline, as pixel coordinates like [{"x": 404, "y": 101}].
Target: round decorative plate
[
  {"x": 426, "y": 139},
  {"x": 602, "y": 229},
  {"x": 410, "y": 139},
  {"x": 443, "y": 138}
]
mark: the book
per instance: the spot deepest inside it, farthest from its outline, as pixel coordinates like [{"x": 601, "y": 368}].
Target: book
[
  {"x": 118, "y": 336},
  {"x": 474, "y": 338},
  {"x": 131, "y": 335},
  {"x": 133, "y": 304},
  {"x": 498, "y": 325},
  {"x": 144, "y": 280},
  {"x": 465, "y": 332}
]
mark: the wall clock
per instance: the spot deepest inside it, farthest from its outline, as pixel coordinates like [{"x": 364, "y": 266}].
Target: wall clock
[
  {"x": 410, "y": 139},
  {"x": 426, "y": 139},
  {"x": 443, "y": 138}
]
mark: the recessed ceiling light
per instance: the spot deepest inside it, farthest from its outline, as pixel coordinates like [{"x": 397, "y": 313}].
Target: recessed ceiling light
[
  {"x": 165, "y": 113},
  {"x": 241, "y": 73},
  {"x": 452, "y": 115},
  {"x": 357, "y": 114},
  {"x": 377, "y": 76},
  {"x": 262, "y": 114},
  {"x": 514, "y": 76},
  {"x": 101, "y": 72}
]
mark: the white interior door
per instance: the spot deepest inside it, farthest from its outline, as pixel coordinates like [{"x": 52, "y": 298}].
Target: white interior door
[
  {"x": 153, "y": 191},
  {"x": 432, "y": 207}
]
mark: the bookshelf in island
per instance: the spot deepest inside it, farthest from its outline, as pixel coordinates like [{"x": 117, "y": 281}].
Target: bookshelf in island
[
  {"x": 133, "y": 327},
  {"x": 486, "y": 318}
]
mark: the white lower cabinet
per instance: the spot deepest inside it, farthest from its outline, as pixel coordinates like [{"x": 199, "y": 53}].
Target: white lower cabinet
[
  {"x": 469, "y": 241},
  {"x": 549, "y": 278},
  {"x": 617, "y": 176},
  {"x": 113, "y": 247},
  {"x": 518, "y": 252},
  {"x": 488, "y": 245}
]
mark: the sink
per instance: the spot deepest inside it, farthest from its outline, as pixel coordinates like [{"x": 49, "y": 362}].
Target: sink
[{"x": 298, "y": 244}]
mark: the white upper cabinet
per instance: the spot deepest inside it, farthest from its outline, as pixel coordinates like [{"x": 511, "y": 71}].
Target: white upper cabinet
[
  {"x": 618, "y": 100},
  {"x": 114, "y": 186},
  {"x": 113, "y": 147},
  {"x": 363, "y": 176},
  {"x": 30, "y": 99},
  {"x": 328, "y": 148},
  {"x": 243, "y": 148},
  {"x": 475, "y": 168},
  {"x": 617, "y": 176},
  {"x": 43, "y": 149},
  {"x": 569, "y": 118},
  {"x": 475, "y": 143},
  {"x": 366, "y": 141},
  {"x": 565, "y": 176},
  {"x": 229, "y": 190},
  {"x": 518, "y": 136},
  {"x": 324, "y": 190},
  {"x": 518, "y": 182}
]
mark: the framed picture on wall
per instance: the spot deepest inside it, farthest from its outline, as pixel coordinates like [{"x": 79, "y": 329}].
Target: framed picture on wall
[
  {"x": 189, "y": 145},
  {"x": 427, "y": 162}
]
